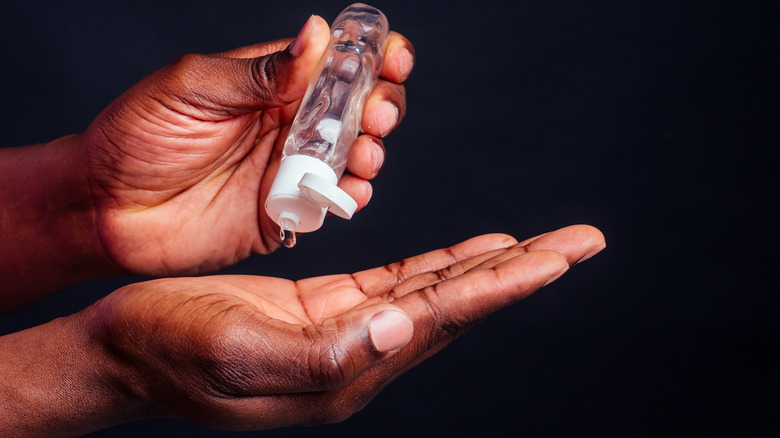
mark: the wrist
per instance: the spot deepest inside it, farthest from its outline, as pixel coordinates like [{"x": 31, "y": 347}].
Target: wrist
[
  {"x": 48, "y": 232},
  {"x": 60, "y": 380}
]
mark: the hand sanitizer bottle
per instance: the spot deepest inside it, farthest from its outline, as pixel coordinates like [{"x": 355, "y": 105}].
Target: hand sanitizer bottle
[{"x": 327, "y": 122}]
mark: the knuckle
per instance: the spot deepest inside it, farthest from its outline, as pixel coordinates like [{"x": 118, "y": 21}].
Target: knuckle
[
  {"x": 446, "y": 325},
  {"x": 400, "y": 270},
  {"x": 331, "y": 365},
  {"x": 265, "y": 74},
  {"x": 451, "y": 271}
]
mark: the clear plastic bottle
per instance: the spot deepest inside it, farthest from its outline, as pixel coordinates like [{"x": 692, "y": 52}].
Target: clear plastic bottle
[{"x": 328, "y": 121}]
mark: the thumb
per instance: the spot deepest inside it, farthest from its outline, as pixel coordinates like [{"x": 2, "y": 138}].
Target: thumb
[
  {"x": 344, "y": 347},
  {"x": 330, "y": 355},
  {"x": 390, "y": 330},
  {"x": 219, "y": 86},
  {"x": 282, "y": 77}
]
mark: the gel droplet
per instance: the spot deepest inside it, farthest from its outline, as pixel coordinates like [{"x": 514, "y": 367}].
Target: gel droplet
[{"x": 288, "y": 237}]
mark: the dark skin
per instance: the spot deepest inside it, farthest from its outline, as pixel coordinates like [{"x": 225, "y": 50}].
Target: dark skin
[
  {"x": 170, "y": 180},
  {"x": 250, "y": 353}
]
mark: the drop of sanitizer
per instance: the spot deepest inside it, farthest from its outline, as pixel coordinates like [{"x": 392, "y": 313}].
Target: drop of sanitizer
[{"x": 288, "y": 237}]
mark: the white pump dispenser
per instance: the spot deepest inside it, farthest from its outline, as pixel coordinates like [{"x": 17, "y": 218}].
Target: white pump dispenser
[{"x": 327, "y": 122}]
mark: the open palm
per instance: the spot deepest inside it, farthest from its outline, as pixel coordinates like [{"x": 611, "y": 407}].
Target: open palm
[{"x": 246, "y": 352}]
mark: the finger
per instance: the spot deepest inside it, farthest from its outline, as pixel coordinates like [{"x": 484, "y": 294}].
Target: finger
[
  {"x": 377, "y": 281},
  {"x": 468, "y": 298},
  {"x": 429, "y": 278},
  {"x": 366, "y": 157},
  {"x": 215, "y": 87},
  {"x": 576, "y": 242},
  {"x": 441, "y": 313},
  {"x": 399, "y": 58},
  {"x": 330, "y": 295},
  {"x": 255, "y": 50},
  {"x": 445, "y": 310},
  {"x": 279, "y": 358},
  {"x": 359, "y": 189},
  {"x": 384, "y": 109}
]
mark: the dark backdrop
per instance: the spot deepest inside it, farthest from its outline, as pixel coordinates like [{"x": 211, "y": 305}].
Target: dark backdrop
[{"x": 652, "y": 120}]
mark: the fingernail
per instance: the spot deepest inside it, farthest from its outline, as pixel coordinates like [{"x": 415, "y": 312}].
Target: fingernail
[
  {"x": 590, "y": 254},
  {"x": 377, "y": 158},
  {"x": 556, "y": 275},
  {"x": 388, "y": 117},
  {"x": 297, "y": 46},
  {"x": 405, "y": 64},
  {"x": 390, "y": 330}
]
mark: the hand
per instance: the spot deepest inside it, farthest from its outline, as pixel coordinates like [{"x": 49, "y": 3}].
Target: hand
[
  {"x": 242, "y": 352},
  {"x": 180, "y": 165},
  {"x": 171, "y": 178}
]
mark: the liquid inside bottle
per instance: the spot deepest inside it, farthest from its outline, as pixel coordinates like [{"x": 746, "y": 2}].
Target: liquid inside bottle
[
  {"x": 328, "y": 120},
  {"x": 315, "y": 153}
]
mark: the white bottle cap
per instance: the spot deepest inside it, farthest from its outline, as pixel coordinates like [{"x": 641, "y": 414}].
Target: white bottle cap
[{"x": 303, "y": 191}]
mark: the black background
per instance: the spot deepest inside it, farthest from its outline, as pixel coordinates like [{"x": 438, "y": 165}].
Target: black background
[{"x": 655, "y": 121}]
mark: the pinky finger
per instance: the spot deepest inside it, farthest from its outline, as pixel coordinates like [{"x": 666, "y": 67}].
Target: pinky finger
[{"x": 358, "y": 188}]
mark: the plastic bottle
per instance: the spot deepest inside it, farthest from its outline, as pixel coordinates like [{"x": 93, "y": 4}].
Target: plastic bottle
[{"x": 327, "y": 122}]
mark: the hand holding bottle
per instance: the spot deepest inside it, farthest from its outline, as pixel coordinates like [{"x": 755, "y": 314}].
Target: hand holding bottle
[
  {"x": 170, "y": 179},
  {"x": 189, "y": 153}
]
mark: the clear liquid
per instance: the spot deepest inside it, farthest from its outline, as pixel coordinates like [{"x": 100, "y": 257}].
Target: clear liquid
[
  {"x": 328, "y": 120},
  {"x": 288, "y": 238}
]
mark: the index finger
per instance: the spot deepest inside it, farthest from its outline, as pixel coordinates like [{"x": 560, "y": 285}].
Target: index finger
[{"x": 381, "y": 280}]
